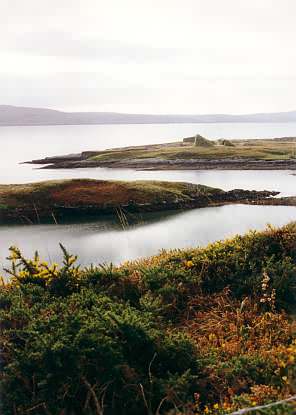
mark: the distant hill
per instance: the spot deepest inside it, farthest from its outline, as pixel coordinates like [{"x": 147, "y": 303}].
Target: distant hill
[{"x": 19, "y": 116}]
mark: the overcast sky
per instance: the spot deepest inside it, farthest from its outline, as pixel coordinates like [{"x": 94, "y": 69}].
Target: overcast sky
[{"x": 149, "y": 56}]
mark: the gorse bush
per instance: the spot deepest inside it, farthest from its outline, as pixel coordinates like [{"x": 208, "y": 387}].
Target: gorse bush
[{"x": 194, "y": 332}]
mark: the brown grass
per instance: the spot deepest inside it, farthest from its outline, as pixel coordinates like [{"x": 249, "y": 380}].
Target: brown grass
[{"x": 84, "y": 192}]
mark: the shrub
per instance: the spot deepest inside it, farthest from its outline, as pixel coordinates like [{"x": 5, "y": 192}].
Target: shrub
[{"x": 205, "y": 330}]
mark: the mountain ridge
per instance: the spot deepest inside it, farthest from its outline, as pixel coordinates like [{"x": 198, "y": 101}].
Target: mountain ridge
[{"x": 29, "y": 116}]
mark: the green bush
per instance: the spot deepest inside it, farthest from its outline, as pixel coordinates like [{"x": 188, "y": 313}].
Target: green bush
[
  {"x": 56, "y": 348},
  {"x": 121, "y": 340}
]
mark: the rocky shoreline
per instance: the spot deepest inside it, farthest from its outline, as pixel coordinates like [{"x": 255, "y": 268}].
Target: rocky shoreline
[
  {"x": 278, "y": 201},
  {"x": 79, "y": 161}
]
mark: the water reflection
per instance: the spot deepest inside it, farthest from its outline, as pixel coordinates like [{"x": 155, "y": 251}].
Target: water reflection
[{"x": 105, "y": 241}]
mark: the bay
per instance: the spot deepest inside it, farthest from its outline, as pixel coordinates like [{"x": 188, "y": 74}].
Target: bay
[{"x": 104, "y": 240}]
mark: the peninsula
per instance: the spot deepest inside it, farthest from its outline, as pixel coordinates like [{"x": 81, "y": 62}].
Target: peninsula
[{"x": 52, "y": 200}]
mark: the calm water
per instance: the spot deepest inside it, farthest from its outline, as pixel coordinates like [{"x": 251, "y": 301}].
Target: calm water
[
  {"x": 26, "y": 143},
  {"x": 103, "y": 240}
]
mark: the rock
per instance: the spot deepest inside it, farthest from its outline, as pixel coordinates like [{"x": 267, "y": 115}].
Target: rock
[
  {"x": 198, "y": 140},
  {"x": 227, "y": 143}
]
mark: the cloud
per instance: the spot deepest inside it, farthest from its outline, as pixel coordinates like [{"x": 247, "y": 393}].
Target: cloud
[
  {"x": 77, "y": 46},
  {"x": 163, "y": 56}
]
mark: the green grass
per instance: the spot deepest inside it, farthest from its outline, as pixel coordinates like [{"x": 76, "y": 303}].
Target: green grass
[
  {"x": 80, "y": 191},
  {"x": 256, "y": 149}
]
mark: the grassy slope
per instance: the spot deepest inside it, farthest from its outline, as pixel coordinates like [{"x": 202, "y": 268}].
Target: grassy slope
[
  {"x": 81, "y": 192},
  {"x": 189, "y": 331},
  {"x": 256, "y": 149}
]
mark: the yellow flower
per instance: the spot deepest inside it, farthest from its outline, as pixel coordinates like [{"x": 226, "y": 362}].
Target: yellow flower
[
  {"x": 71, "y": 261},
  {"x": 189, "y": 264},
  {"x": 216, "y": 406}
]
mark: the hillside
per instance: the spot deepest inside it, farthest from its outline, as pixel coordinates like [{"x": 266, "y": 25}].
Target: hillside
[
  {"x": 11, "y": 115},
  {"x": 187, "y": 332}
]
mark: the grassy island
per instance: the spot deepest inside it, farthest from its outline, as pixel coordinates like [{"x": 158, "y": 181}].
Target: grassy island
[
  {"x": 248, "y": 149},
  {"x": 199, "y": 331},
  {"x": 51, "y": 200},
  {"x": 191, "y": 153}
]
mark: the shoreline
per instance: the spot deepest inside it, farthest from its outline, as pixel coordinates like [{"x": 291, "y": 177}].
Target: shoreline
[{"x": 160, "y": 165}]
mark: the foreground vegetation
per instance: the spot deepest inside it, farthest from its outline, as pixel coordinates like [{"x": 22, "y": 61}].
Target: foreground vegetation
[{"x": 200, "y": 331}]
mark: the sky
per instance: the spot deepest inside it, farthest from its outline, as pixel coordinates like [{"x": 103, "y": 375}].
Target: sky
[{"x": 149, "y": 56}]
